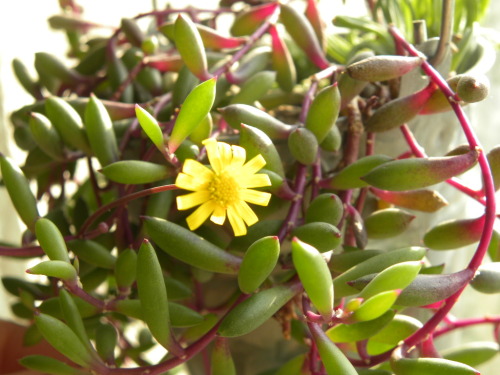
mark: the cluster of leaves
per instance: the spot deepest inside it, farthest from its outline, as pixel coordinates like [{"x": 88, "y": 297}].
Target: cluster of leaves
[{"x": 310, "y": 102}]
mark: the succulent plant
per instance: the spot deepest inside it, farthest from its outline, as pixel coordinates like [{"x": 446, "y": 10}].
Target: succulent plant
[{"x": 211, "y": 185}]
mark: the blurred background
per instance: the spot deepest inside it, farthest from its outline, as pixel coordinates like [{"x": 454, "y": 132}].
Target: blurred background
[{"x": 24, "y": 31}]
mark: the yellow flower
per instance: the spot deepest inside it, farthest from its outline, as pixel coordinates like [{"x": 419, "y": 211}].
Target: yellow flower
[{"x": 225, "y": 189}]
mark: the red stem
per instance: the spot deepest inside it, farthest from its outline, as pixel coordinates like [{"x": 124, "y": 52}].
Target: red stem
[
  {"x": 466, "y": 323},
  {"x": 122, "y": 201},
  {"x": 489, "y": 190},
  {"x": 251, "y": 41}
]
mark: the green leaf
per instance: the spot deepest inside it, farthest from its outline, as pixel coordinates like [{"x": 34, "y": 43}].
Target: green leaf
[
  {"x": 254, "y": 311},
  {"x": 188, "y": 247},
  {"x": 190, "y": 46},
  {"x": 195, "y": 108},
  {"x": 150, "y": 126},
  {"x": 19, "y": 192},
  {"x": 136, "y": 172},
  {"x": 63, "y": 339},
  {"x": 258, "y": 263},
  {"x": 315, "y": 276},
  {"x": 100, "y": 132},
  {"x": 153, "y": 296}
]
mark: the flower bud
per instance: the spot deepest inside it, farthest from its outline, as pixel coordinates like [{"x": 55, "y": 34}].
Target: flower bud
[{"x": 472, "y": 89}]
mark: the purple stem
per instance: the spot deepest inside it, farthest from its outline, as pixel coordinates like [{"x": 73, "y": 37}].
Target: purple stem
[
  {"x": 121, "y": 201},
  {"x": 490, "y": 207},
  {"x": 190, "y": 351},
  {"x": 293, "y": 212},
  {"x": 33, "y": 251},
  {"x": 251, "y": 41},
  {"x": 466, "y": 323}
]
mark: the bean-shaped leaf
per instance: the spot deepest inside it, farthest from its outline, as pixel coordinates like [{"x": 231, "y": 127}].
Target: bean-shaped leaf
[
  {"x": 397, "y": 276},
  {"x": 454, "y": 233},
  {"x": 19, "y": 192},
  {"x": 315, "y": 276},
  {"x": 47, "y": 365},
  {"x": 332, "y": 358},
  {"x": 63, "y": 339},
  {"x": 190, "y": 248},
  {"x": 190, "y": 46},
  {"x": 151, "y": 127},
  {"x": 254, "y": 311},
  {"x": 324, "y": 112},
  {"x": 51, "y": 240},
  {"x": 221, "y": 360},
  {"x": 359, "y": 331},
  {"x": 409, "y": 174},
  {"x": 195, "y": 108},
  {"x": 375, "y": 264},
  {"x": 100, "y": 132},
  {"x": 258, "y": 263},
  {"x": 54, "y": 268},
  {"x": 153, "y": 297},
  {"x": 136, "y": 172},
  {"x": 68, "y": 123},
  {"x": 46, "y": 136}
]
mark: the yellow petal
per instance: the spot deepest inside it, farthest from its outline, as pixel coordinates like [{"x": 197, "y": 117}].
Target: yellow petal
[
  {"x": 184, "y": 181},
  {"x": 219, "y": 215},
  {"x": 254, "y": 181},
  {"x": 256, "y": 197},
  {"x": 196, "y": 169},
  {"x": 239, "y": 156},
  {"x": 187, "y": 201},
  {"x": 236, "y": 222},
  {"x": 246, "y": 213},
  {"x": 213, "y": 154},
  {"x": 226, "y": 156},
  {"x": 254, "y": 165},
  {"x": 201, "y": 214}
]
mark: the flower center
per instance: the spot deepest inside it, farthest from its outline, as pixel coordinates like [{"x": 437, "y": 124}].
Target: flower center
[{"x": 224, "y": 189}]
